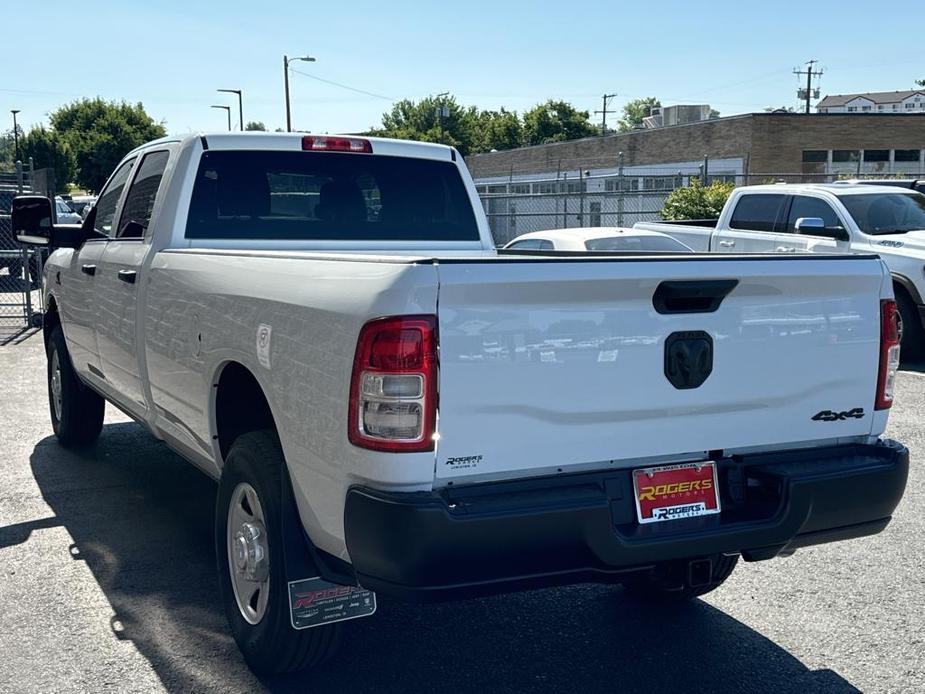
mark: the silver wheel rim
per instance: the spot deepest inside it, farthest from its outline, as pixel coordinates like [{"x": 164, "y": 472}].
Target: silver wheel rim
[
  {"x": 56, "y": 383},
  {"x": 248, "y": 554}
]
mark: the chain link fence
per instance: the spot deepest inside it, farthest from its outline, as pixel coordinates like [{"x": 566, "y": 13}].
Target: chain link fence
[
  {"x": 20, "y": 267},
  {"x": 518, "y": 207}
]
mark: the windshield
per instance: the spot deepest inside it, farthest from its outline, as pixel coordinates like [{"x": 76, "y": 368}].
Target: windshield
[
  {"x": 660, "y": 244},
  {"x": 886, "y": 213},
  {"x": 308, "y": 195}
]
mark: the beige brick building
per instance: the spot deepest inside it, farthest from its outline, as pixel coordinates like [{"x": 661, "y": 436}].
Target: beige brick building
[{"x": 758, "y": 143}]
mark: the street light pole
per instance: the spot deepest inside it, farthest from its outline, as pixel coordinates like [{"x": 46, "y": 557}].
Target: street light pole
[
  {"x": 228, "y": 113},
  {"x": 286, "y": 61},
  {"x": 240, "y": 104},
  {"x": 15, "y": 136}
]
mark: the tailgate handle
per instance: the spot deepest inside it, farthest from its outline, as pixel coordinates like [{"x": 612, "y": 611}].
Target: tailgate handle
[{"x": 691, "y": 296}]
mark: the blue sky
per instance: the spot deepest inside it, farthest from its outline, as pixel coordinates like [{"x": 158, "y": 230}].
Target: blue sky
[{"x": 172, "y": 55}]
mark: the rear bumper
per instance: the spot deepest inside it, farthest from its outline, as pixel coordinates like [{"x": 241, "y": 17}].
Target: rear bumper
[{"x": 488, "y": 538}]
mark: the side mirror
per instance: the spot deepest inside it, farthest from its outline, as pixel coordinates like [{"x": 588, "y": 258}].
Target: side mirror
[
  {"x": 815, "y": 226},
  {"x": 31, "y": 217},
  {"x": 809, "y": 225}
]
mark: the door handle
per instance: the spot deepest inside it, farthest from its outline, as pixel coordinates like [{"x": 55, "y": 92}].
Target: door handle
[
  {"x": 786, "y": 249},
  {"x": 727, "y": 244},
  {"x": 88, "y": 269},
  {"x": 127, "y": 276}
]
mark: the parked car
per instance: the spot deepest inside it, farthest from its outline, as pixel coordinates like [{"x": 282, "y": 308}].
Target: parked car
[
  {"x": 81, "y": 203},
  {"x": 832, "y": 218},
  {"x": 389, "y": 405},
  {"x": 611, "y": 239},
  {"x": 65, "y": 214}
]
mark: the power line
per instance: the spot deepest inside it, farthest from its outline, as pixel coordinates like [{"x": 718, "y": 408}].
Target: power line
[{"x": 343, "y": 86}]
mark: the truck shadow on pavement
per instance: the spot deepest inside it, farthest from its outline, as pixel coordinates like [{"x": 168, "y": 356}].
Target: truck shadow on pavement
[{"x": 141, "y": 519}]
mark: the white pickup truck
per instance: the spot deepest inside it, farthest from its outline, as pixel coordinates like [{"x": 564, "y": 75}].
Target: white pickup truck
[
  {"x": 843, "y": 217},
  {"x": 390, "y": 405}
]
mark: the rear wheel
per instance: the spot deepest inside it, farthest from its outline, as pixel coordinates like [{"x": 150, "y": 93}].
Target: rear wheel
[
  {"x": 76, "y": 411},
  {"x": 682, "y": 580},
  {"x": 249, "y": 549},
  {"x": 913, "y": 333}
]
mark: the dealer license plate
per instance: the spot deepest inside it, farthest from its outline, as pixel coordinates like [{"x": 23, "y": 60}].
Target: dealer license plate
[{"x": 675, "y": 491}]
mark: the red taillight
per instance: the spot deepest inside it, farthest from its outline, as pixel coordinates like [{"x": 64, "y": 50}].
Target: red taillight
[
  {"x": 393, "y": 388},
  {"x": 889, "y": 353},
  {"x": 323, "y": 143}
]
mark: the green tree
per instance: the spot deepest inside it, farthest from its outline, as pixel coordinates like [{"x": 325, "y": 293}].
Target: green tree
[
  {"x": 497, "y": 130},
  {"x": 432, "y": 119},
  {"x": 779, "y": 109},
  {"x": 255, "y": 125},
  {"x": 920, "y": 83},
  {"x": 49, "y": 149},
  {"x": 100, "y": 133},
  {"x": 696, "y": 201},
  {"x": 555, "y": 121},
  {"x": 634, "y": 111}
]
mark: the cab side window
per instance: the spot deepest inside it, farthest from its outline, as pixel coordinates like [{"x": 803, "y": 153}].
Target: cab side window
[
  {"x": 109, "y": 199},
  {"x": 758, "y": 212},
  {"x": 804, "y": 206},
  {"x": 139, "y": 203}
]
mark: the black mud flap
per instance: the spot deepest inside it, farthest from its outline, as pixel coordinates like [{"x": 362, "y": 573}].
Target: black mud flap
[{"x": 318, "y": 593}]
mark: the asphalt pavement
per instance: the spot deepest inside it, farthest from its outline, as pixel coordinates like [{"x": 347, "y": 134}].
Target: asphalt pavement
[{"x": 107, "y": 582}]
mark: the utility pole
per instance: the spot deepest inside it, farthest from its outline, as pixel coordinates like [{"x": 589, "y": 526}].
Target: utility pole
[
  {"x": 809, "y": 92},
  {"x": 240, "y": 104},
  {"x": 604, "y": 112},
  {"x": 15, "y": 136},
  {"x": 441, "y": 111}
]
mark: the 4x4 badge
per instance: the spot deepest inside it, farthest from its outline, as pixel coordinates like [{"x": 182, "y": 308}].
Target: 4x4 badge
[{"x": 829, "y": 416}]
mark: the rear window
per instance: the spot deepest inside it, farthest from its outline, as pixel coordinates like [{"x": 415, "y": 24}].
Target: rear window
[
  {"x": 658, "y": 244},
  {"x": 758, "y": 212},
  {"x": 328, "y": 196}
]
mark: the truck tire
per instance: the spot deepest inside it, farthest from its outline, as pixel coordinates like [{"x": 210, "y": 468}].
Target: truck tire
[
  {"x": 913, "y": 337},
  {"x": 248, "y": 548},
  {"x": 671, "y": 582},
  {"x": 76, "y": 411}
]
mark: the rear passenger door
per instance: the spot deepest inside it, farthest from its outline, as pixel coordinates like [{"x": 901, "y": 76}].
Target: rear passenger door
[
  {"x": 118, "y": 283},
  {"x": 755, "y": 226}
]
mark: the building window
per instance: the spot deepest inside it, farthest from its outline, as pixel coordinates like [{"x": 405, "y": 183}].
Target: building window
[
  {"x": 865, "y": 108},
  {"x": 895, "y": 107},
  {"x": 844, "y": 155},
  {"x": 852, "y": 109},
  {"x": 876, "y": 155},
  {"x": 520, "y": 188},
  {"x": 910, "y": 105},
  {"x": 815, "y": 155},
  {"x": 907, "y": 155},
  {"x": 545, "y": 188}
]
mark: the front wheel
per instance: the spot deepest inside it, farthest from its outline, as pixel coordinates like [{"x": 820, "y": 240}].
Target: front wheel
[
  {"x": 682, "y": 580},
  {"x": 76, "y": 411},
  {"x": 249, "y": 550}
]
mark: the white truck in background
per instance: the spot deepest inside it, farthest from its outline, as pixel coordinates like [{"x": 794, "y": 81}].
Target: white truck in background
[
  {"x": 390, "y": 405},
  {"x": 844, "y": 217}
]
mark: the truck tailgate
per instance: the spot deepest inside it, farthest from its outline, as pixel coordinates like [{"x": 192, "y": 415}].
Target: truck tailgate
[{"x": 559, "y": 364}]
